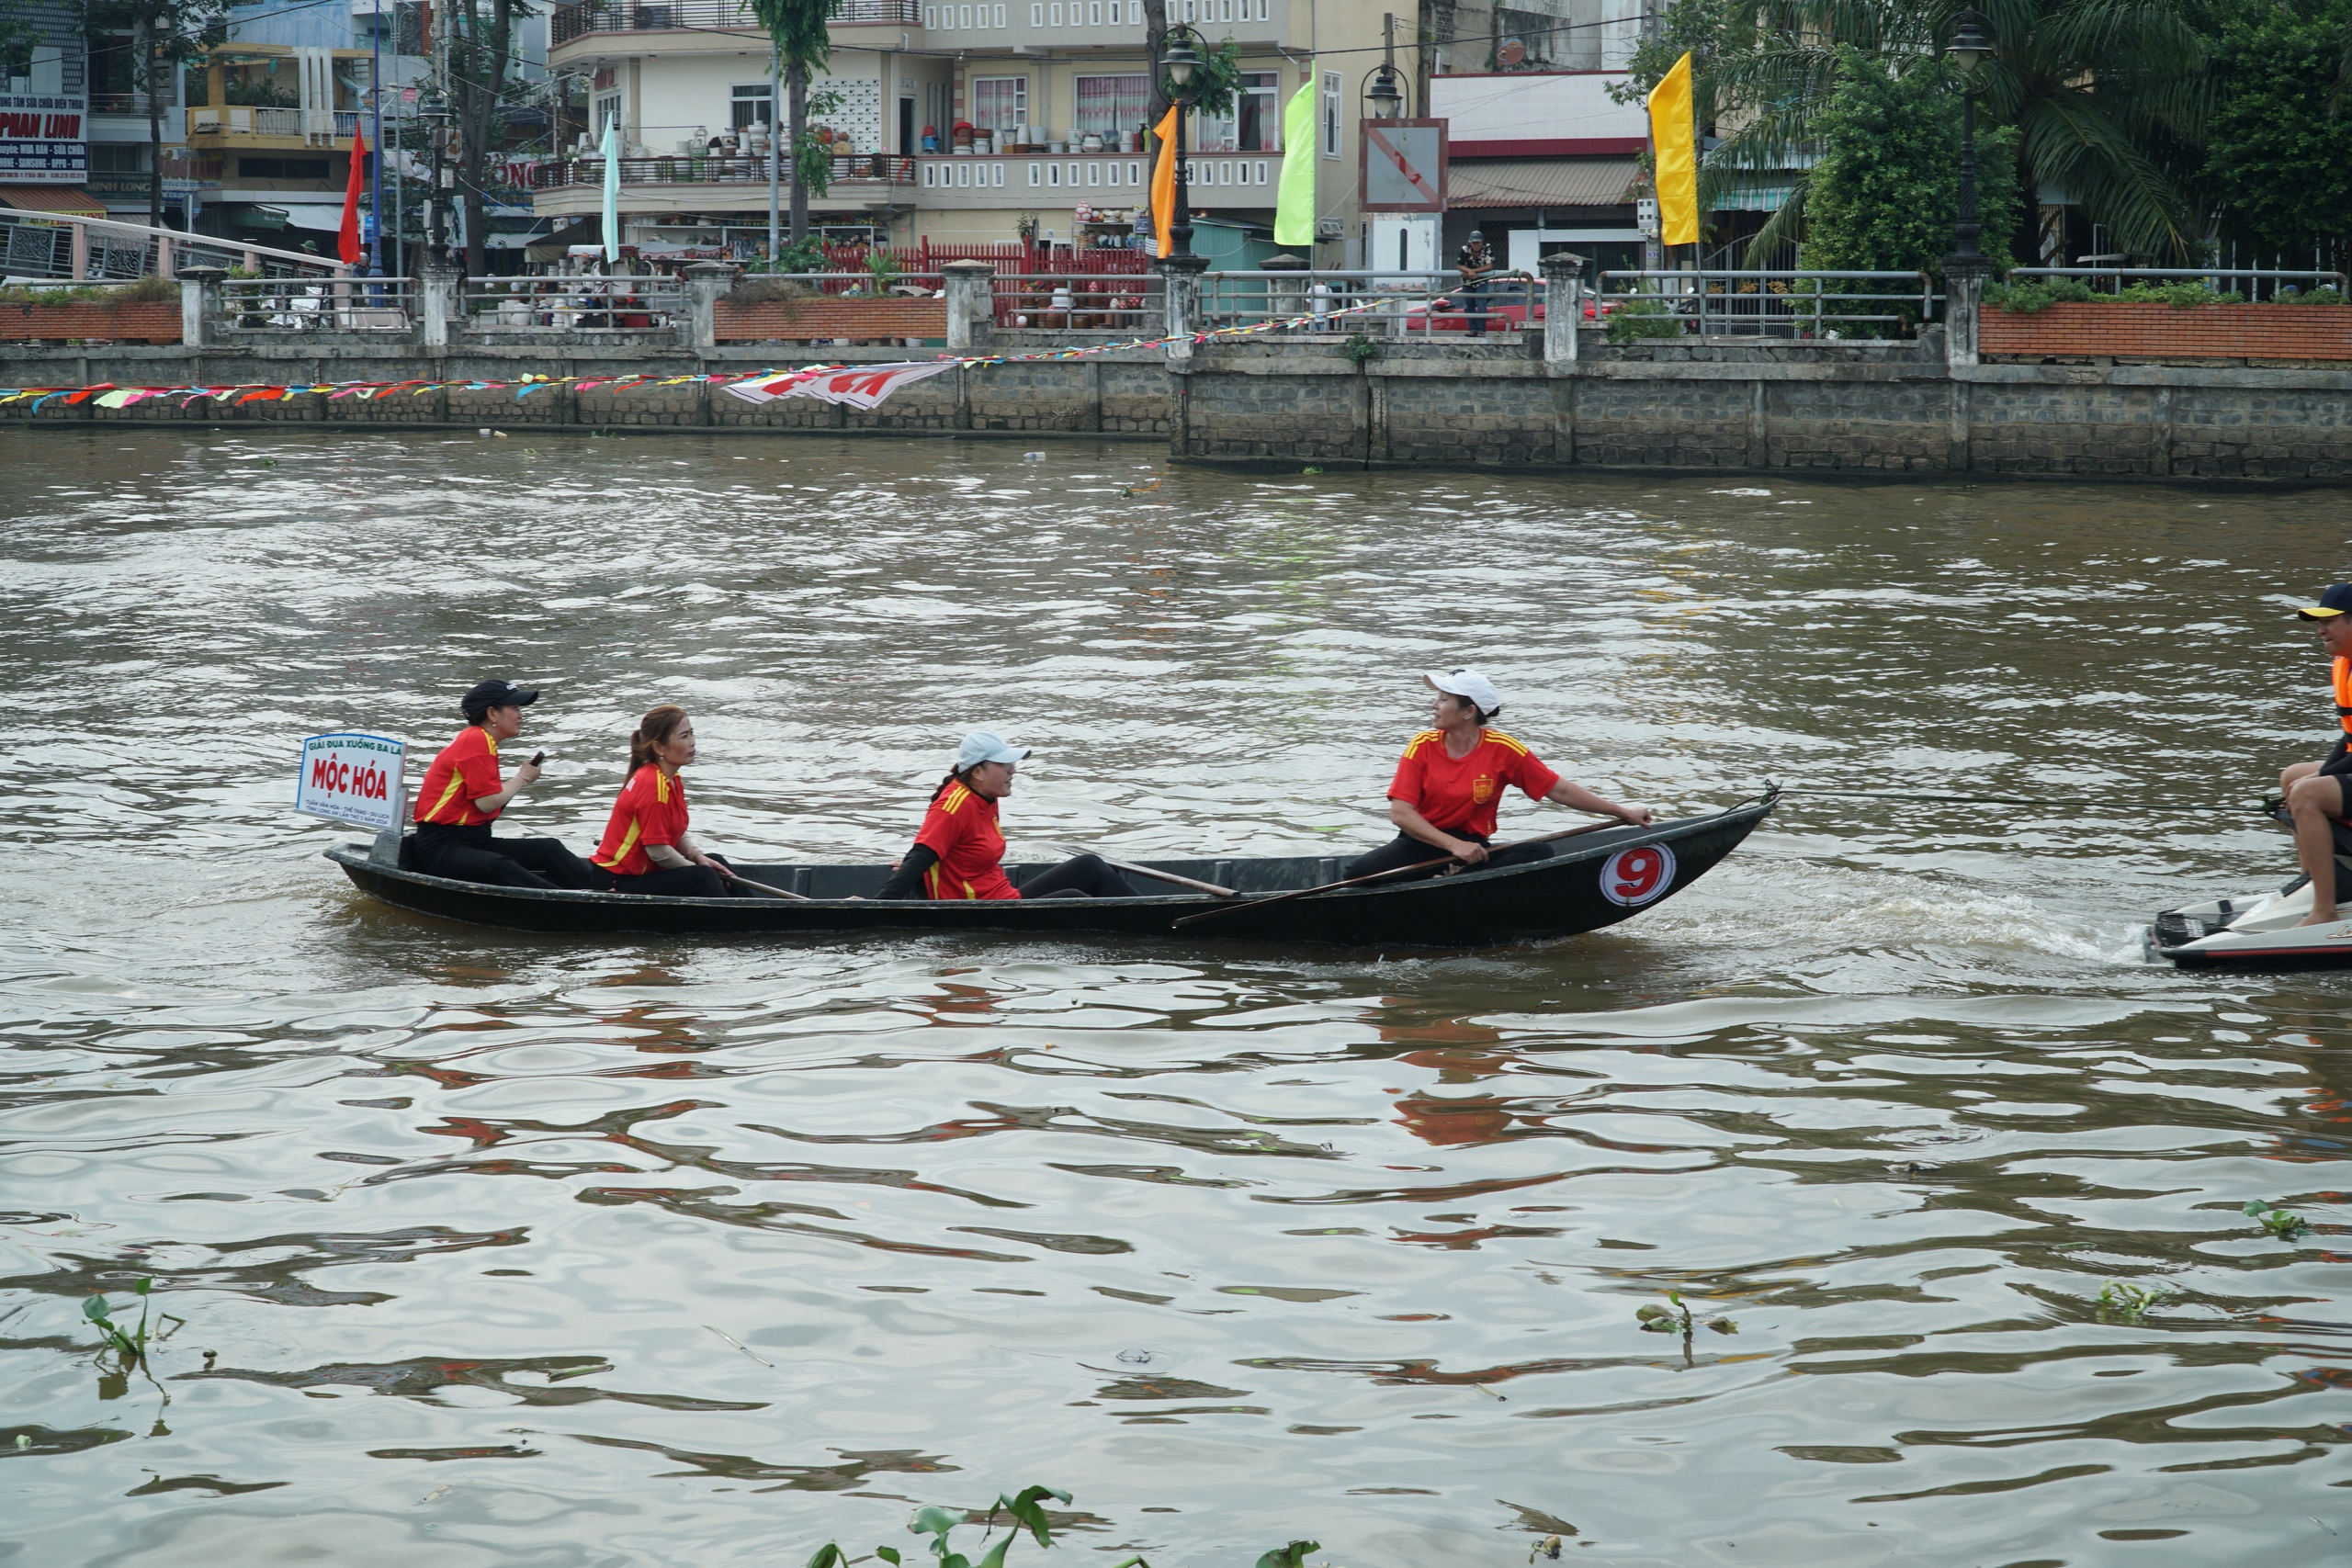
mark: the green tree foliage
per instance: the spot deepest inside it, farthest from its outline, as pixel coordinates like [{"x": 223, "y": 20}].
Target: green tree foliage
[
  {"x": 804, "y": 42},
  {"x": 160, "y": 38},
  {"x": 481, "y": 84},
  {"x": 2276, "y": 166},
  {"x": 1887, "y": 186},
  {"x": 2107, "y": 97}
]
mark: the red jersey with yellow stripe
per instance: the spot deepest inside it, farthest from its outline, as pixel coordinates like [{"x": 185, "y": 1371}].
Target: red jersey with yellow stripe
[
  {"x": 466, "y": 770},
  {"x": 651, "y": 810},
  {"x": 960, "y": 828},
  {"x": 1461, "y": 794}
]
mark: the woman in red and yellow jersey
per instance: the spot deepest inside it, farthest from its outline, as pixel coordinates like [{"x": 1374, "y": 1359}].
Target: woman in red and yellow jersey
[
  {"x": 1450, "y": 784},
  {"x": 646, "y": 849},
  {"x": 959, "y": 853},
  {"x": 2316, "y": 791},
  {"x": 463, "y": 795}
]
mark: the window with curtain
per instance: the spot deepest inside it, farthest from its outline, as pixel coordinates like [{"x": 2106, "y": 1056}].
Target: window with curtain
[
  {"x": 1330, "y": 114},
  {"x": 1256, "y": 123},
  {"x": 1108, "y": 105},
  {"x": 748, "y": 106},
  {"x": 1000, "y": 103}
]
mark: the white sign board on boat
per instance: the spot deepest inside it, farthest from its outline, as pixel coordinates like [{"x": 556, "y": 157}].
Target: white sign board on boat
[{"x": 350, "y": 777}]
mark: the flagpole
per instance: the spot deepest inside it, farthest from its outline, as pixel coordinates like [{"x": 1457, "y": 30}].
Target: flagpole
[{"x": 376, "y": 170}]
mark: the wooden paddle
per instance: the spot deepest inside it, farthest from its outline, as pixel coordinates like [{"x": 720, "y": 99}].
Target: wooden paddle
[
  {"x": 1384, "y": 875},
  {"x": 764, "y": 887},
  {"x": 1135, "y": 870}
]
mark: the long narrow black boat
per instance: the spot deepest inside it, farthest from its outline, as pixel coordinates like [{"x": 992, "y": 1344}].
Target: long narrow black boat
[{"x": 1591, "y": 881}]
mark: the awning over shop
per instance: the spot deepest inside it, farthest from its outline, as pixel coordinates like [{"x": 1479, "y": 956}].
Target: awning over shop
[
  {"x": 586, "y": 232},
  {"x": 72, "y": 199},
  {"x": 1540, "y": 181}
]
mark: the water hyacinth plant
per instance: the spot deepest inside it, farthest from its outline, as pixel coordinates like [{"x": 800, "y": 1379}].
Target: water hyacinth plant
[
  {"x": 1676, "y": 1318},
  {"x": 2283, "y": 1223},
  {"x": 1026, "y": 1511}
]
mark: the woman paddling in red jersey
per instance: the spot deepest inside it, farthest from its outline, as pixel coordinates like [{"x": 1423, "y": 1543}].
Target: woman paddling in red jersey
[
  {"x": 959, "y": 854},
  {"x": 463, "y": 793},
  {"x": 646, "y": 849},
  {"x": 1450, "y": 784}
]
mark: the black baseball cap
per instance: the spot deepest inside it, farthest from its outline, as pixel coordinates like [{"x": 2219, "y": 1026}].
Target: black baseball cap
[
  {"x": 506, "y": 693},
  {"x": 2335, "y": 601}
]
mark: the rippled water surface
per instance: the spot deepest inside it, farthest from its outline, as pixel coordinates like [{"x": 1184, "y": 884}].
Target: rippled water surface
[{"x": 493, "y": 1249}]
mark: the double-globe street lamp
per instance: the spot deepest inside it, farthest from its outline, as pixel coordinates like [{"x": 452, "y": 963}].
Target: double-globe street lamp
[{"x": 1972, "y": 43}]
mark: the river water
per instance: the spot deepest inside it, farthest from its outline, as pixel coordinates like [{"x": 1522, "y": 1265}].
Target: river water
[{"x": 491, "y": 1249}]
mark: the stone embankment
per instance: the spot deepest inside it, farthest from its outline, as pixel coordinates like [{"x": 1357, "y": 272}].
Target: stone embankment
[{"x": 1554, "y": 396}]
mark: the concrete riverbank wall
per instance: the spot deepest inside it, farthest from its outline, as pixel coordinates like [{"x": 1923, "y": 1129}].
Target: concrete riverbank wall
[{"x": 1724, "y": 406}]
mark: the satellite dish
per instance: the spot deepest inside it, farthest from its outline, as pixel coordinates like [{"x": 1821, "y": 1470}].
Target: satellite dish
[{"x": 1512, "y": 53}]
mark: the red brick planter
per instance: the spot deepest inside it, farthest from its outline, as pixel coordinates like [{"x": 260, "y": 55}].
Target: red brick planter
[
  {"x": 157, "y": 322},
  {"x": 2079, "y": 330},
  {"x": 804, "y": 320}
]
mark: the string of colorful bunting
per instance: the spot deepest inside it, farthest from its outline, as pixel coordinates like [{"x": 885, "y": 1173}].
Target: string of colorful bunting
[{"x": 865, "y": 386}]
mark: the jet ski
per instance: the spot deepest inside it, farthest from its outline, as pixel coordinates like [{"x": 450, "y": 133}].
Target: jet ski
[{"x": 2260, "y": 931}]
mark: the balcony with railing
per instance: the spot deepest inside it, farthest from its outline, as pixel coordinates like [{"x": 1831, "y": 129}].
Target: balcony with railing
[
  {"x": 849, "y": 169},
  {"x": 309, "y": 128},
  {"x": 590, "y": 17}
]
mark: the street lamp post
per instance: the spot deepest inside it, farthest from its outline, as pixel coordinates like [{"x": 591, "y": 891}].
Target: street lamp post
[
  {"x": 433, "y": 108},
  {"x": 1184, "y": 65},
  {"x": 1972, "y": 41}
]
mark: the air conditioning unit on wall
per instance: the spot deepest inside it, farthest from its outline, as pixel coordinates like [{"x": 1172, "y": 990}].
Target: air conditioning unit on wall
[{"x": 1327, "y": 227}]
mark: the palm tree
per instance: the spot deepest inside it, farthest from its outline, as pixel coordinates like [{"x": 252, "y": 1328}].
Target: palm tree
[
  {"x": 802, "y": 42},
  {"x": 2107, "y": 97}
]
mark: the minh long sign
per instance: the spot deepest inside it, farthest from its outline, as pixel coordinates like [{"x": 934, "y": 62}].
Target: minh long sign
[{"x": 42, "y": 139}]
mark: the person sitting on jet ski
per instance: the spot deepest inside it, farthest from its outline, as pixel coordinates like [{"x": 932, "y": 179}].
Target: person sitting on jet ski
[{"x": 2316, "y": 791}]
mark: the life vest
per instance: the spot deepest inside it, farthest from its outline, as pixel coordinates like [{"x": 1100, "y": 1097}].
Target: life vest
[{"x": 2344, "y": 697}]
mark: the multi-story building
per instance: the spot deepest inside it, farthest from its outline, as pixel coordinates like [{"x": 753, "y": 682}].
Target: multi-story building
[
  {"x": 51, "y": 149},
  {"x": 1054, "y": 93}
]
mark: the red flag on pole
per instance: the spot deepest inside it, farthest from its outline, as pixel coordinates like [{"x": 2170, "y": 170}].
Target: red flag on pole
[{"x": 353, "y": 189}]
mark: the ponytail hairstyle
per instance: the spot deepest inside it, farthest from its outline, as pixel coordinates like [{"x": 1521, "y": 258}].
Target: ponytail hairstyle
[
  {"x": 954, "y": 776},
  {"x": 655, "y": 730}
]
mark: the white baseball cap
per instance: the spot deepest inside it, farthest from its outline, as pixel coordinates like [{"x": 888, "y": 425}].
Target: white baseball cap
[
  {"x": 986, "y": 746},
  {"x": 1468, "y": 683}
]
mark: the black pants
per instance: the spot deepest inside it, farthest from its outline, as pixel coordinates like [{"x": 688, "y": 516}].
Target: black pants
[
  {"x": 1405, "y": 850},
  {"x": 1081, "y": 876},
  {"x": 677, "y": 881},
  {"x": 470, "y": 854}
]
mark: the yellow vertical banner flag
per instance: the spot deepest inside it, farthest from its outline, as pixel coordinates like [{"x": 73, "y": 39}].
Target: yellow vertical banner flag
[
  {"x": 1163, "y": 180},
  {"x": 1295, "y": 202},
  {"x": 1674, "y": 137}
]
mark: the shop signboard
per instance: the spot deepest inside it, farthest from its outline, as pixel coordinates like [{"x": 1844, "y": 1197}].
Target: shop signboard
[{"x": 42, "y": 139}]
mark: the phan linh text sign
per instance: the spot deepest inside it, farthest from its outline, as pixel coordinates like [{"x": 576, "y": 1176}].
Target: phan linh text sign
[{"x": 352, "y": 778}]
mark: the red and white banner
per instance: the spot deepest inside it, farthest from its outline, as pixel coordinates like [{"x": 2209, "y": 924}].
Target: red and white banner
[{"x": 860, "y": 387}]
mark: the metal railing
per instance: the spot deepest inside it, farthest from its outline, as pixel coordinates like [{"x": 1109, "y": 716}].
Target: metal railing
[
  {"x": 1112, "y": 304},
  {"x": 1863, "y": 306},
  {"x": 1393, "y": 304},
  {"x": 301, "y": 305},
  {"x": 67, "y": 245},
  {"x": 886, "y": 168},
  {"x": 571, "y": 22},
  {"x": 570, "y": 304},
  {"x": 134, "y": 103},
  {"x": 316, "y": 126},
  {"x": 2256, "y": 283}
]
